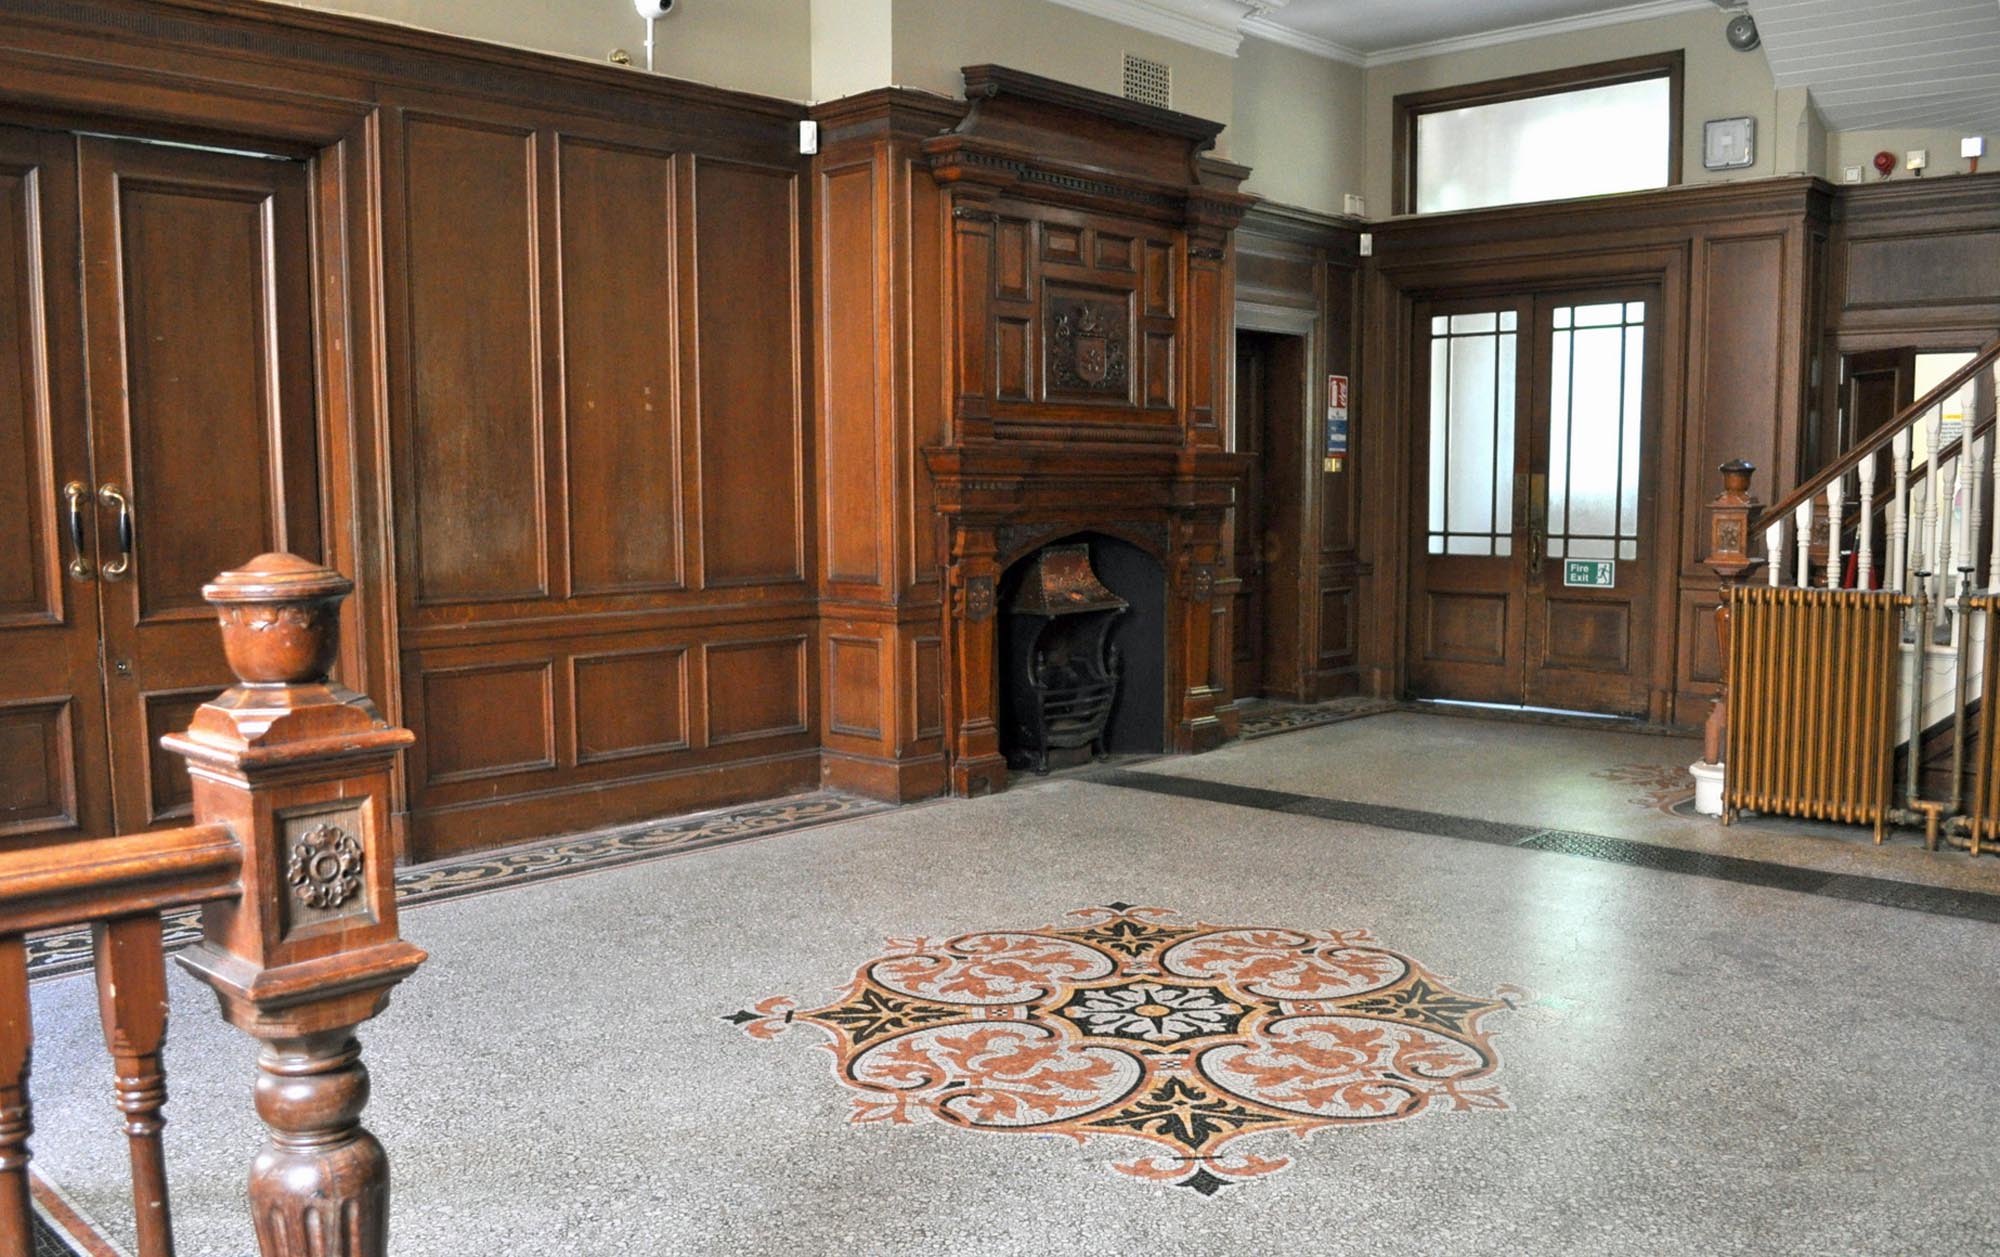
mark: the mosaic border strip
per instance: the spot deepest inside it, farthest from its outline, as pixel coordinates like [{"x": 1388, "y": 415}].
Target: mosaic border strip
[
  {"x": 1882, "y": 892},
  {"x": 1269, "y": 717},
  {"x": 67, "y": 951}
]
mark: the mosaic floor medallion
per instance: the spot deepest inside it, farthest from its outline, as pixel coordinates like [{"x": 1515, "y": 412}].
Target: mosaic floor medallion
[{"x": 1213, "y": 1045}]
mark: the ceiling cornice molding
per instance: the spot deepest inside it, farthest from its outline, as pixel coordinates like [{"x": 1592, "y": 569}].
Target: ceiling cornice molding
[
  {"x": 1260, "y": 27},
  {"x": 1540, "y": 30},
  {"x": 1213, "y": 25}
]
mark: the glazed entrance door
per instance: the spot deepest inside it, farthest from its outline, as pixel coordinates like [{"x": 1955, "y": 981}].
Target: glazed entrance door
[
  {"x": 1535, "y": 559},
  {"x": 199, "y": 348}
]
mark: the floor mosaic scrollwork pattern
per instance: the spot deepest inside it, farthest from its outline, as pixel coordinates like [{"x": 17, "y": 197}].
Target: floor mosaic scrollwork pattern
[{"x": 1210, "y": 1045}]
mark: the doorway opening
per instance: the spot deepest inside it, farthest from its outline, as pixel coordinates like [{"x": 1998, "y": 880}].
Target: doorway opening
[
  {"x": 1535, "y": 550},
  {"x": 1269, "y": 527}
]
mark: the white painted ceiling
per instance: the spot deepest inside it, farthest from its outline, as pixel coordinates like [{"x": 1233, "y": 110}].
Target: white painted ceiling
[
  {"x": 1888, "y": 63},
  {"x": 1380, "y": 29}
]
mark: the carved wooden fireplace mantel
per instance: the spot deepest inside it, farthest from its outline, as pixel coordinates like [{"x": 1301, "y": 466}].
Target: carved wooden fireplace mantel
[{"x": 1027, "y": 300}]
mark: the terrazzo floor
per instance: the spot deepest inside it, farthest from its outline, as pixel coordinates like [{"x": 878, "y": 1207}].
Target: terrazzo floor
[{"x": 1687, "y": 1063}]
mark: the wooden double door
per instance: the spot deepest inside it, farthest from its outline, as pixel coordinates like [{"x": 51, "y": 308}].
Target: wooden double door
[
  {"x": 1535, "y": 548},
  {"x": 157, "y": 426}
]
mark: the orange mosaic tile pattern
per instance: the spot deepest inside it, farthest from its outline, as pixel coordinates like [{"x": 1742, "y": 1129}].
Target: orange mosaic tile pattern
[{"x": 1214, "y": 1046}]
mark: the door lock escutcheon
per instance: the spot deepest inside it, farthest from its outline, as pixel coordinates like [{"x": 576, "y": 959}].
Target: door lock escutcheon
[{"x": 123, "y": 667}]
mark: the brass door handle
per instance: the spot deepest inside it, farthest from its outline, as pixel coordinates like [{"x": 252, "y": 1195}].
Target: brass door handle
[
  {"x": 1534, "y": 552},
  {"x": 74, "y": 494},
  {"x": 109, "y": 495}
]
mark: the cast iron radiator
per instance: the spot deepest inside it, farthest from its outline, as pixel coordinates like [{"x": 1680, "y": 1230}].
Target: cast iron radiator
[{"x": 1812, "y": 702}]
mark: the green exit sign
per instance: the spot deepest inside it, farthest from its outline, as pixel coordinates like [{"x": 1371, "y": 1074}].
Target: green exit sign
[{"x": 1590, "y": 573}]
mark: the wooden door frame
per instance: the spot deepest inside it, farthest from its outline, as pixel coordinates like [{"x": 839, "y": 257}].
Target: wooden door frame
[
  {"x": 1301, "y": 633},
  {"x": 1391, "y": 362},
  {"x": 134, "y": 94}
]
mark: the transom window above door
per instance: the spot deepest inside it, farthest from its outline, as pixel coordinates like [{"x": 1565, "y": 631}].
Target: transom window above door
[{"x": 1584, "y": 131}]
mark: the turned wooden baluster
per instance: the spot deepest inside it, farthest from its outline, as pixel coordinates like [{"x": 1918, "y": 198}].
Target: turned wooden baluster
[
  {"x": 299, "y": 769},
  {"x": 1802, "y": 522},
  {"x": 16, "y": 1041},
  {"x": 1864, "y": 555},
  {"x": 1899, "y": 514},
  {"x": 1836, "y": 493},
  {"x": 132, "y": 1003}
]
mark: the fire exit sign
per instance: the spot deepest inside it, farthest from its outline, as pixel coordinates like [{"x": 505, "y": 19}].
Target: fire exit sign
[{"x": 1590, "y": 573}]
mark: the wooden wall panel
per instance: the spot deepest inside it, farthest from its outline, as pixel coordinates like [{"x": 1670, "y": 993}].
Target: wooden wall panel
[
  {"x": 487, "y": 720},
  {"x": 629, "y": 702},
  {"x": 1741, "y": 325},
  {"x": 474, "y": 361},
  {"x": 1948, "y": 268},
  {"x": 854, "y": 684},
  {"x": 746, "y": 222},
  {"x": 621, "y": 411},
  {"x": 852, "y": 447},
  {"x": 756, "y": 689}
]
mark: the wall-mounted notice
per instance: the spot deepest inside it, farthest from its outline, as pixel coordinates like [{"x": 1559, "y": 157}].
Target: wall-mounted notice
[{"x": 1336, "y": 422}]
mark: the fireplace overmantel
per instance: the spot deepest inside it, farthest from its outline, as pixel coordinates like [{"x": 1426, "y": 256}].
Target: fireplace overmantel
[{"x": 1039, "y": 347}]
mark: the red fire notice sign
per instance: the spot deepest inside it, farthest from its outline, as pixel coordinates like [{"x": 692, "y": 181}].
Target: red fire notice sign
[{"x": 1336, "y": 422}]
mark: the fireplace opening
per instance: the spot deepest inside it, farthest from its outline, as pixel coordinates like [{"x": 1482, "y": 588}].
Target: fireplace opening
[{"x": 1082, "y": 658}]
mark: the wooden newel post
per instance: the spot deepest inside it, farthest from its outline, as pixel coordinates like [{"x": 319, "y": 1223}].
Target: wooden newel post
[
  {"x": 299, "y": 769},
  {"x": 1732, "y": 520}
]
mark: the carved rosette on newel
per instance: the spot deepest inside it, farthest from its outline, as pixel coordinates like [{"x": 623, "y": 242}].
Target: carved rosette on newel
[{"x": 298, "y": 767}]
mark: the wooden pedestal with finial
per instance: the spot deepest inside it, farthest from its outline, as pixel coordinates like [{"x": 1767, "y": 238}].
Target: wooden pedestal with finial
[
  {"x": 299, "y": 769},
  {"x": 1732, "y": 519}
]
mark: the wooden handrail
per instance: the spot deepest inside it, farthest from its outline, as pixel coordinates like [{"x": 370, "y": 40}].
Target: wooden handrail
[
  {"x": 1847, "y": 462},
  {"x": 45, "y": 887}
]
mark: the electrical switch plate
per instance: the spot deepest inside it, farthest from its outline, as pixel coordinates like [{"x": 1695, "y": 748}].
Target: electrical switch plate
[
  {"x": 1850, "y": 174},
  {"x": 1916, "y": 159}
]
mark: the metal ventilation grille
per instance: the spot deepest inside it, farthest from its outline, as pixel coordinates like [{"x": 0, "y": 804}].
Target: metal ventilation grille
[{"x": 1149, "y": 82}]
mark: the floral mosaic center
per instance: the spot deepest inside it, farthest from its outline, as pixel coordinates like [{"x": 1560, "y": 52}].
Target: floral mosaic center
[
  {"x": 1206, "y": 1048},
  {"x": 1154, "y": 1012}
]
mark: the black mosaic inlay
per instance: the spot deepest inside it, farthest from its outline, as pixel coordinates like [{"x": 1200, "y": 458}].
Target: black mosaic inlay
[
  {"x": 47, "y": 1242},
  {"x": 69, "y": 951},
  {"x": 1881, "y": 891}
]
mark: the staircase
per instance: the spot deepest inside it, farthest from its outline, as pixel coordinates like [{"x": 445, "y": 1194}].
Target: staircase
[{"x": 1864, "y": 618}]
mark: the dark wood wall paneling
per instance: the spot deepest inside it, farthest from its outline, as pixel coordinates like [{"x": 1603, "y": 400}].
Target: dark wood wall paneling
[
  {"x": 569, "y": 467},
  {"x": 1288, "y": 264},
  {"x": 1741, "y": 269},
  {"x": 965, "y": 252},
  {"x": 603, "y": 435},
  {"x": 1914, "y": 264},
  {"x": 879, "y": 267}
]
